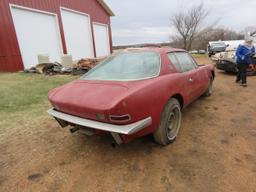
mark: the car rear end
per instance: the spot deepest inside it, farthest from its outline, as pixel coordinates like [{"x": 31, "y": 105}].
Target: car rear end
[
  {"x": 216, "y": 47},
  {"x": 94, "y": 107},
  {"x": 106, "y": 99}
]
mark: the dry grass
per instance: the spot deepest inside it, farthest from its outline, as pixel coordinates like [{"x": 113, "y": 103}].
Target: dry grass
[
  {"x": 23, "y": 99},
  {"x": 214, "y": 152},
  {"x": 21, "y": 92}
]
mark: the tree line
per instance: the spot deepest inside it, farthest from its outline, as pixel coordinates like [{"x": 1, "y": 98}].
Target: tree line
[{"x": 192, "y": 34}]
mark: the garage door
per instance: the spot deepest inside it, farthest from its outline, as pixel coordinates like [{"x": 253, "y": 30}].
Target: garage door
[
  {"x": 101, "y": 37},
  {"x": 77, "y": 31},
  {"x": 37, "y": 33}
]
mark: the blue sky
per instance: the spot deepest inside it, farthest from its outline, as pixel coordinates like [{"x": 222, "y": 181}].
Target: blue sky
[{"x": 148, "y": 21}]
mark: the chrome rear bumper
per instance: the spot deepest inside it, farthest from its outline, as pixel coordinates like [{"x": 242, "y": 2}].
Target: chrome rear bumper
[{"x": 114, "y": 129}]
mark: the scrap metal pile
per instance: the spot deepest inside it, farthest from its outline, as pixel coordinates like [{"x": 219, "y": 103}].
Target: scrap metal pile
[{"x": 79, "y": 68}]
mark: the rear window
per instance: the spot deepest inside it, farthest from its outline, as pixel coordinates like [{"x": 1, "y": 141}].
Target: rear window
[
  {"x": 220, "y": 44},
  {"x": 126, "y": 66}
]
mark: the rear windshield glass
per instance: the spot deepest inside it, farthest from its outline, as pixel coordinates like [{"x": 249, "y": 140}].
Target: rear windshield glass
[
  {"x": 220, "y": 44},
  {"x": 126, "y": 66}
]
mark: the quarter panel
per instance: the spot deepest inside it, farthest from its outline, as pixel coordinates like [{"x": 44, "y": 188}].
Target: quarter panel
[{"x": 151, "y": 99}]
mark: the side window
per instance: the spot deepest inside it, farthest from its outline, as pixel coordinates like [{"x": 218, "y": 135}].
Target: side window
[
  {"x": 193, "y": 61},
  {"x": 174, "y": 61},
  {"x": 186, "y": 61}
]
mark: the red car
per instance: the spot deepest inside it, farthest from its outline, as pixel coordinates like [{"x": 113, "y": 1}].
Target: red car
[{"x": 132, "y": 94}]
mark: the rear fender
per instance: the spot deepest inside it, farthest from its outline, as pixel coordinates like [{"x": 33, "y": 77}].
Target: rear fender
[{"x": 151, "y": 100}]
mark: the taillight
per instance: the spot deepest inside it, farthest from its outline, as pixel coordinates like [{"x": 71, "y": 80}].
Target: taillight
[{"x": 119, "y": 118}]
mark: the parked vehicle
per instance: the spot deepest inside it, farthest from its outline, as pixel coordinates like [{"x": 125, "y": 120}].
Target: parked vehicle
[
  {"x": 193, "y": 52},
  {"x": 229, "y": 65},
  {"x": 216, "y": 47},
  {"x": 132, "y": 94},
  {"x": 201, "y": 51}
]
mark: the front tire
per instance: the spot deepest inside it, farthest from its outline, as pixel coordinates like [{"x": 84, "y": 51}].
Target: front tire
[{"x": 170, "y": 123}]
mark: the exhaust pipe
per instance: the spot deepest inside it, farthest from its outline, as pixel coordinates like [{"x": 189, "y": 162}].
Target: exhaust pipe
[{"x": 75, "y": 129}]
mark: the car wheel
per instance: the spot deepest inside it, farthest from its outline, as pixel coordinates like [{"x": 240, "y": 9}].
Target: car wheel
[
  {"x": 170, "y": 122},
  {"x": 209, "y": 89}
]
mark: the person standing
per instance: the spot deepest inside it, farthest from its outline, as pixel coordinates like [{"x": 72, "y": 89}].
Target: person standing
[{"x": 244, "y": 54}]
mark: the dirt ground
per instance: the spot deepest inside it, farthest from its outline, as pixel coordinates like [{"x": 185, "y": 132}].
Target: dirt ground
[{"x": 214, "y": 152}]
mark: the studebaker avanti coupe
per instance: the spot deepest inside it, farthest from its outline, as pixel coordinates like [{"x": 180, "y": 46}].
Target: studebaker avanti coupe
[{"x": 133, "y": 93}]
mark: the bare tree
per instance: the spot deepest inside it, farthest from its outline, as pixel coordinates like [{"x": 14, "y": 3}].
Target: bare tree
[
  {"x": 187, "y": 24},
  {"x": 250, "y": 30}
]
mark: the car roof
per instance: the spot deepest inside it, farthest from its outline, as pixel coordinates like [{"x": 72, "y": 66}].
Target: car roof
[{"x": 155, "y": 49}]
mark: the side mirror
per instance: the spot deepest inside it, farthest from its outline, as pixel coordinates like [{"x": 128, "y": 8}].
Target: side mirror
[{"x": 227, "y": 45}]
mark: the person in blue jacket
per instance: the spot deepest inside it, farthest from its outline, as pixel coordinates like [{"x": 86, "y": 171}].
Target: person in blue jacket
[{"x": 244, "y": 54}]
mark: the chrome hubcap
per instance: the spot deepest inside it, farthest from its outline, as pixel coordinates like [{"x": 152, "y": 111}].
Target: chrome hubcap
[{"x": 173, "y": 123}]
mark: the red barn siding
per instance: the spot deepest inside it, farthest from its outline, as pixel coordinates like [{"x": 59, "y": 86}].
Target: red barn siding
[{"x": 10, "y": 56}]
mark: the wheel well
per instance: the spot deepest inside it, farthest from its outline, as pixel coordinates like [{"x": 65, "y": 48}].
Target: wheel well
[
  {"x": 213, "y": 74},
  {"x": 180, "y": 99}
]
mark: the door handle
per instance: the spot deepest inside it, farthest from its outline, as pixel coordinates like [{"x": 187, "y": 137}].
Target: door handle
[{"x": 190, "y": 80}]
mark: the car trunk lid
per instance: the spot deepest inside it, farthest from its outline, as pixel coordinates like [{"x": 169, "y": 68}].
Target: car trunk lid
[{"x": 88, "y": 99}]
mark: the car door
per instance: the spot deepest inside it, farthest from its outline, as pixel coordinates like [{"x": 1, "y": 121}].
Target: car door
[
  {"x": 190, "y": 77},
  {"x": 202, "y": 76}
]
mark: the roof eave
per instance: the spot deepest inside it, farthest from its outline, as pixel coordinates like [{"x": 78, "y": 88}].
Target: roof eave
[{"x": 106, "y": 7}]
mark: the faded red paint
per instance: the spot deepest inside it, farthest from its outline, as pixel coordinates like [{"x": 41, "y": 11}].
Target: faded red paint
[
  {"x": 140, "y": 99},
  {"x": 10, "y": 56}
]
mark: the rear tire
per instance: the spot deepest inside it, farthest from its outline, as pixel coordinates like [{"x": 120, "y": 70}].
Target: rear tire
[
  {"x": 170, "y": 122},
  {"x": 208, "y": 91}
]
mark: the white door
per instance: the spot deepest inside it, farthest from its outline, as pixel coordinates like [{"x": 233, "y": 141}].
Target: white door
[
  {"x": 101, "y": 38},
  {"x": 37, "y": 33},
  {"x": 77, "y": 31}
]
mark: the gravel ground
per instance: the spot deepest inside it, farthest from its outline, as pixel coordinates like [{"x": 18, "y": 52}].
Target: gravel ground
[{"x": 214, "y": 152}]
